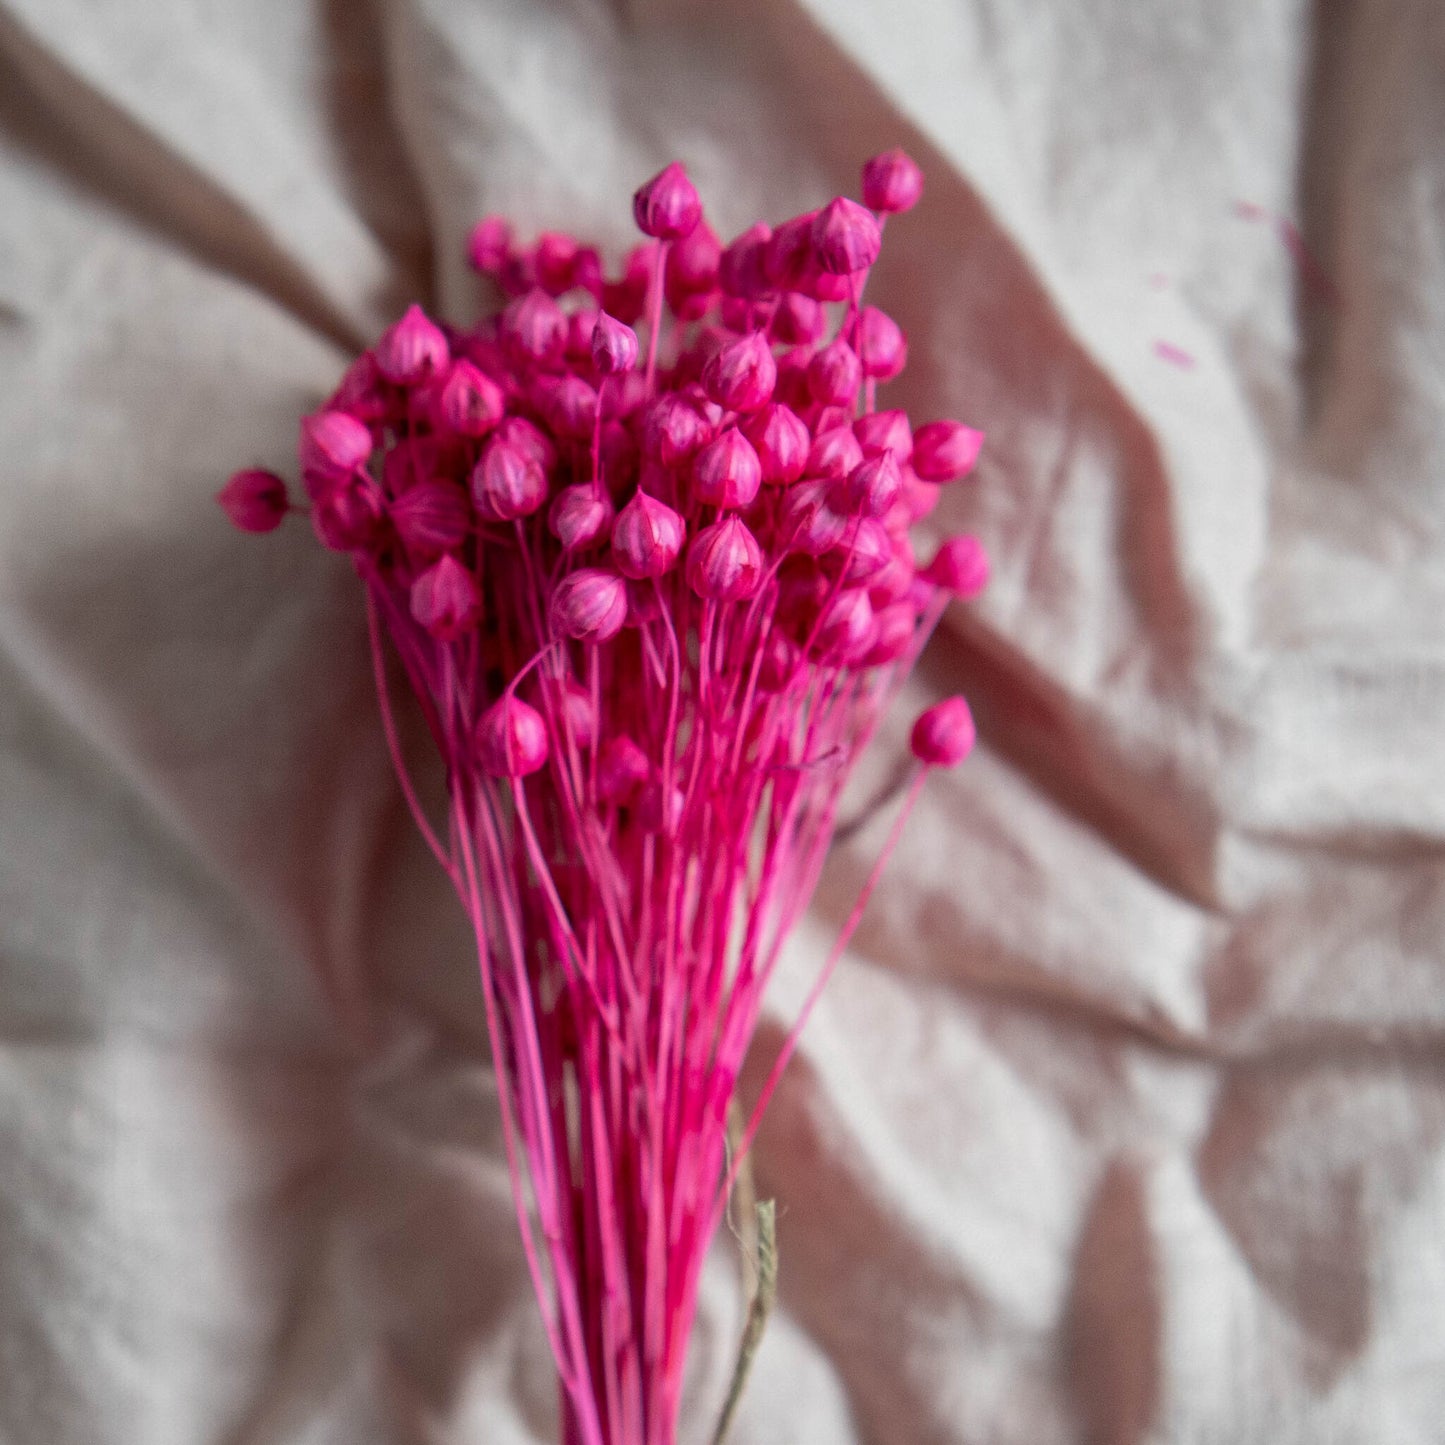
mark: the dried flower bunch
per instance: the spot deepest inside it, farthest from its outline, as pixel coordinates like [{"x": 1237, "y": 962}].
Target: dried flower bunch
[{"x": 652, "y": 604}]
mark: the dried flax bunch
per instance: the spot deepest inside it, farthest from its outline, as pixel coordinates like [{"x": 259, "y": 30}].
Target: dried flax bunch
[{"x": 653, "y": 606}]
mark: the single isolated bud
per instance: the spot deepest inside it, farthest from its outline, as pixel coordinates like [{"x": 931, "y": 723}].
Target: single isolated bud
[
  {"x": 589, "y": 605},
  {"x": 834, "y": 374},
  {"x": 960, "y": 566},
  {"x": 511, "y": 738},
  {"x": 507, "y": 483},
  {"x": 943, "y": 450},
  {"x": 614, "y": 345},
  {"x": 333, "y": 444},
  {"x": 579, "y": 515},
  {"x": 255, "y": 500},
  {"x": 432, "y": 517},
  {"x": 622, "y": 770},
  {"x": 413, "y": 351},
  {"x": 646, "y": 537},
  {"x": 781, "y": 440},
  {"x": 882, "y": 346},
  {"x": 667, "y": 207},
  {"x": 727, "y": 472},
  {"x": 944, "y": 735},
  {"x": 445, "y": 599},
  {"x": 741, "y": 375},
  {"x": 469, "y": 402},
  {"x": 846, "y": 238},
  {"x": 724, "y": 562},
  {"x": 892, "y": 182}
]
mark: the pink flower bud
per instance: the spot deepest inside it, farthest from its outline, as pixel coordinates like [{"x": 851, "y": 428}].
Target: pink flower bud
[
  {"x": 892, "y": 182},
  {"x": 489, "y": 245},
  {"x": 554, "y": 256},
  {"x": 897, "y": 628},
  {"x": 589, "y": 605},
  {"x": 674, "y": 429},
  {"x": 507, "y": 483},
  {"x": 469, "y": 402},
  {"x": 692, "y": 266},
  {"x": 834, "y": 374},
  {"x": 846, "y": 628},
  {"x": 432, "y": 517},
  {"x": 536, "y": 326},
  {"x": 570, "y": 406},
  {"x": 727, "y": 472},
  {"x": 781, "y": 441},
  {"x": 626, "y": 395},
  {"x": 790, "y": 253},
  {"x": 333, "y": 444},
  {"x": 742, "y": 268},
  {"x": 846, "y": 237},
  {"x": 943, "y": 450},
  {"x": 445, "y": 599},
  {"x": 349, "y": 517},
  {"x": 520, "y": 434},
  {"x": 626, "y": 298},
  {"x": 960, "y": 566},
  {"x": 614, "y": 345},
  {"x": 882, "y": 346},
  {"x": 799, "y": 320},
  {"x": 579, "y": 515},
  {"x": 919, "y": 497},
  {"x": 254, "y": 500},
  {"x": 363, "y": 392},
  {"x": 865, "y": 551},
  {"x": 885, "y": 431},
  {"x": 647, "y": 537},
  {"x": 622, "y": 770},
  {"x": 944, "y": 735},
  {"x": 834, "y": 454},
  {"x": 741, "y": 375},
  {"x": 576, "y": 715},
  {"x": 808, "y": 522},
  {"x": 780, "y": 662},
  {"x": 873, "y": 486},
  {"x": 892, "y": 582},
  {"x": 511, "y": 738},
  {"x": 413, "y": 351},
  {"x": 724, "y": 562},
  {"x": 667, "y": 207}
]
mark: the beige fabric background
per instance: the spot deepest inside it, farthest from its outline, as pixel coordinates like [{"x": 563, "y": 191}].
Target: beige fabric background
[{"x": 1125, "y": 1119}]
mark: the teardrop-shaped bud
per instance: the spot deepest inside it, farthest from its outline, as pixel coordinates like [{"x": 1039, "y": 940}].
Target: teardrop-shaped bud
[
  {"x": 835, "y": 454},
  {"x": 846, "y": 238},
  {"x": 469, "y": 402},
  {"x": 892, "y": 182},
  {"x": 943, "y": 450},
  {"x": 808, "y": 522},
  {"x": 647, "y": 537},
  {"x": 507, "y": 483},
  {"x": 554, "y": 256},
  {"x": 511, "y": 738},
  {"x": 536, "y": 326},
  {"x": 255, "y": 500},
  {"x": 882, "y": 346},
  {"x": 742, "y": 268},
  {"x": 798, "y": 320},
  {"x": 674, "y": 429},
  {"x": 490, "y": 244},
  {"x": 333, "y": 444},
  {"x": 412, "y": 351},
  {"x": 570, "y": 407},
  {"x": 445, "y": 599},
  {"x": 667, "y": 207},
  {"x": 781, "y": 440},
  {"x": 960, "y": 566},
  {"x": 892, "y": 581},
  {"x": 363, "y": 391},
  {"x": 589, "y": 605},
  {"x": 834, "y": 374},
  {"x": 523, "y": 436},
  {"x": 692, "y": 267},
  {"x": 846, "y": 628},
  {"x": 741, "y": 375},
  {"x": 432, "y": 517},
  {"x": 873, "y": 486},
  {"x": 865, "y": 551},
  {"x": 724, "y": 562},
  {"x": 349, "y": 517},
  {"x": 614, "y": 345},
  {"x": 579, "y": 515},
  {"x": 944, "y": 735},
  {"x": 727, "y": 472},
  {"x": 885, "y": 431},
  {"x": 790, "y": 253},
  {"x": 897, "y": 627},
  {"x": 622, "y": 770}
]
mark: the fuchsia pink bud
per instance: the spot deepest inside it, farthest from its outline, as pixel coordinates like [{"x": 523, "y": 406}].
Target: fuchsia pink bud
[
  {"x": 445, "y": 599},
  {"x": 882, "y": 346},
  {"x": 780, "y": 662},
  {"x": 885, "y": 431},
  {"x": 865, "y": 551},
  {"x": 897, "y": 628},
  {"x": 578, "y": 716},
  {"x": 571, "y": 407},
  {"x": 555, "y": 256},
  {"x": 724, "y": 562},
  {"x": 432, "y": 517},
  {"x": 520, "y": 434},
  {"x": 846, "y": 237},
  {"x": 892, "y": 182},
  {"x": 333, "y": 444},
  {"x": 743, "y": 266},
  {"x": 589, "y": 605},
  {"x": 846, "y": 627},
  {"x": 960, "y": 566},
  {"x": 622, "y": 770},
  {"x": 349, "y": 516},
  {"x": 741, "y": 375},
  {"x": 507, "y": 483},
  {"x": 944, "y": 735},
  {"x": 834, "y": 454},
  {"x": 614, "y": 345},
  {"x": 414, "y": 350},
  {"x": 469, "y": 402},
  {"x": 799, "y": 320},
  {"x": 363, "y": 391},
  {"x": 511, "y": 738},
  {"x": 781, "y": 441},
  {"x": 727, "y": 472},
  {"x": 579, "y": 515},
  {"x": 255, "y": 500},
  {"x": 943, "y": 450},
  {"x": 674, "y": 429},
  {"x": 873, "y": 486},
  {"x": 646, "y": 538},
  {"x": 834, "y": 374},
  {"x": 808, "y": 522},
  {"x": 667, "y": 207},
  {"x": 790, "y": 253},
  {"x": 489, "y": 245},
  {"x": 536, "y": 326}
]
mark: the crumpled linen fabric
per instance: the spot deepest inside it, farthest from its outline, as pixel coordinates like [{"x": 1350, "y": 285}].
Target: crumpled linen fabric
[{"x": 1124, "y": 1118}]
